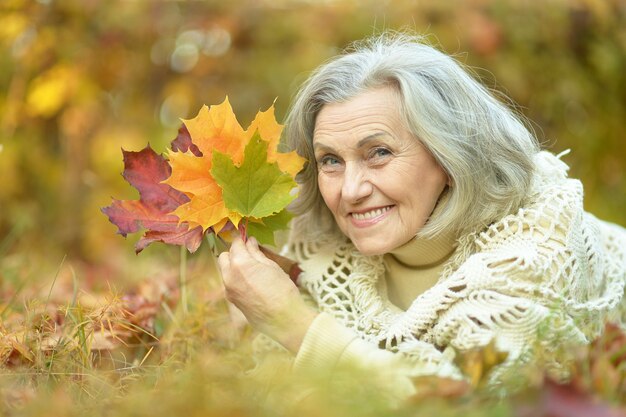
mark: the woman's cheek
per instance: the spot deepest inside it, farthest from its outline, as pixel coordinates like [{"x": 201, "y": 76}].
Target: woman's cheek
[{"x": 329, "y": 189}]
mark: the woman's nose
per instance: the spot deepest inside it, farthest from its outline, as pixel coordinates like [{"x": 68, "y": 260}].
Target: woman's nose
[{"x": 356, "y": 185}]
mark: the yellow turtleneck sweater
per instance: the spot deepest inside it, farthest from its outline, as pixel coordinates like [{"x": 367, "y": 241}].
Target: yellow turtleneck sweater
[{"x": 415, "y": 266}]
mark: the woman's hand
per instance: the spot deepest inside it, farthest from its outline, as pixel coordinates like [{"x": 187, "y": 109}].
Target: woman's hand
[{"x": 265, "y": 294}]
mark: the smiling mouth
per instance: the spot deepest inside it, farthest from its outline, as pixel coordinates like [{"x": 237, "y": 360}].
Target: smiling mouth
[{"x": 370, "y": 214}]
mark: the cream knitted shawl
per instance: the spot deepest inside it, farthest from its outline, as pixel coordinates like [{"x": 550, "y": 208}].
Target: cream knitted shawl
[
  {"x": 545, "y": 277},
  {"x": 535, "y": 283}
]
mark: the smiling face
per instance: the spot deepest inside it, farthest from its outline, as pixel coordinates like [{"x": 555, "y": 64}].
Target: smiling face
[{"x": 378, "y": 180}]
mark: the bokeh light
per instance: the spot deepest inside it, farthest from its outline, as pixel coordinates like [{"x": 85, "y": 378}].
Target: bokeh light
[{"x": 81, "y": 80}]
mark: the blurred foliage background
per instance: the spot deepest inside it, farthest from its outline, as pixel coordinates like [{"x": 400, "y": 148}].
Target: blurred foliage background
[{"x": 81, "y": 79}]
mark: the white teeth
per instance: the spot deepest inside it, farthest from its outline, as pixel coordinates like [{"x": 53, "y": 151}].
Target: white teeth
[{"x": 370, "y": 214}]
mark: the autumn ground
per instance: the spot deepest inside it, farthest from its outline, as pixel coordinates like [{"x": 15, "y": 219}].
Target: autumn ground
[{"x": 169, "y": 345}]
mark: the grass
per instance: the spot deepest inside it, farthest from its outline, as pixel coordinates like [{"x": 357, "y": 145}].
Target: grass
[{"x": 169, "y": 345}]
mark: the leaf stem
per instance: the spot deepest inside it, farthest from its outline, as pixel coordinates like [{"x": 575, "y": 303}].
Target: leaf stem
[
  {"x": 243, "y": 228},
  {"x": 183, "y": 278}
]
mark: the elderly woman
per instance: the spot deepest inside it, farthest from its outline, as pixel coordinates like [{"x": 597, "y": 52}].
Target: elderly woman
[{"x": 430, "y": 222}]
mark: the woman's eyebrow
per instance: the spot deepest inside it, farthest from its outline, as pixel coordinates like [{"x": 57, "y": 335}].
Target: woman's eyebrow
[
  {"x": 370, "y": 138},
  {"x": 321, "y": 147}
]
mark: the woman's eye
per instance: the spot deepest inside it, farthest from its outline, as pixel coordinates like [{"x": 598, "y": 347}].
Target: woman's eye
[
  {"x": 329, "y": 160},
  {"x": 329, "y": 163},
  {"x": 380, "y": 152}
]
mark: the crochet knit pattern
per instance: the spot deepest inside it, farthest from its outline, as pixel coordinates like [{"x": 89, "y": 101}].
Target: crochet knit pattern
[{"x": 543, "y": 278}]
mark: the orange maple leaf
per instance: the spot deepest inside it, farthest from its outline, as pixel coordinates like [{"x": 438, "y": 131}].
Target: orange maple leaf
[
  {"x": 217, "y": 128},
  {"x": 212, "y": 129}
]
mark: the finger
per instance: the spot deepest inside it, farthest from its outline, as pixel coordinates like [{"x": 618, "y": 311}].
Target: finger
[
  {"x": 255, "y": 252},
  {"x": 239, "y": 255},
  {"x": 223, "y": 261},
  {"x": 238, "y": 245}
]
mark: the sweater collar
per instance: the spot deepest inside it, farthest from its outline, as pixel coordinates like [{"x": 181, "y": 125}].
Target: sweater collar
[{"x": 425, "y": 253}]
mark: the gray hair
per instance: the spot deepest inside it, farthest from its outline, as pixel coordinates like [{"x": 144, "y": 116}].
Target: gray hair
[{"x": 485, "y": 149}]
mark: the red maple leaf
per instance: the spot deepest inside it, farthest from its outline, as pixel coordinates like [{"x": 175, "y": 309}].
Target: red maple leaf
[
  {"x": 183, "y": 142},
  {"x": 145, "y": 170}
]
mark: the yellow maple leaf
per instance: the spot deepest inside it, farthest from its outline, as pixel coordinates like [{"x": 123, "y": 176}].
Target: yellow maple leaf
[
  {"x": 270, "y": 130},
  {"x": 206, "y": 210},
  {"x": 290, "y": 162}
]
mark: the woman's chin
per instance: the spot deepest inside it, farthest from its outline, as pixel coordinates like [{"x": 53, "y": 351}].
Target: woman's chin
[
  {"x": 371, "y": 248},
  {"x": 380, "y": 245}
]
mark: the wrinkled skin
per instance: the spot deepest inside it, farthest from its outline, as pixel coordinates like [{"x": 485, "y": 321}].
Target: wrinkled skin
[{"x": 378, "y": 180}]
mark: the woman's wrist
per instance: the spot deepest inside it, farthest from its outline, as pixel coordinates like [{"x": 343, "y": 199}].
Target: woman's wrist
[{"x": 292, "y": 334}]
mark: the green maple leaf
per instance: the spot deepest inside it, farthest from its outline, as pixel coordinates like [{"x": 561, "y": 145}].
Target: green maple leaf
[
  {"x": 257, "y": 188},
  {"x": 264, "y": 232}
]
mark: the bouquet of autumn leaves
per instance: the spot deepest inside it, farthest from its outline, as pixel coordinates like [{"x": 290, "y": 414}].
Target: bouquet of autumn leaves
[{"x": 217, "y": 178}]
